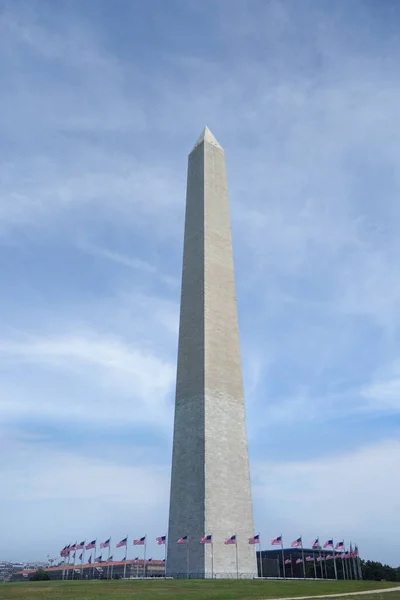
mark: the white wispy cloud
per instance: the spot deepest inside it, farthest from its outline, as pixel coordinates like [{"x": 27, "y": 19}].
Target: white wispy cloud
[
  {"x": 333, "y": 496},
  {"x": 140, "y": 379},
  {"x": 128, "y": 261},
  {"x": 105, "y": 497}
]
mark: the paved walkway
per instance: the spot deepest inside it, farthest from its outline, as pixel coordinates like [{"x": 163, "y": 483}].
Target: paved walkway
[{"x": 383, "y": 591}]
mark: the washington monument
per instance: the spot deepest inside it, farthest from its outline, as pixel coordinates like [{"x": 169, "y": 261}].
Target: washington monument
[{"x": 210, "y": 480}]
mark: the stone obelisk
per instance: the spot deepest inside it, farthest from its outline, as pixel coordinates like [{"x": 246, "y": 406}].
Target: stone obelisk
[{"x": 210, "y": 482}]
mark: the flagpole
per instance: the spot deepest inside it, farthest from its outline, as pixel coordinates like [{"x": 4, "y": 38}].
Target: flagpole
[
  {"x": 108, "y": 558},
  {"x": 67, "y": 569},
  {"x": 291, "y": 566},
  {"x": 82, "y": 559},
  {"x": 315, "y": 566},
  {"x": 283, "y": 559},
  {"x": 302, "y": 558},
  {"x": 126, "y": 554},
  {"x": 212, "y": 556},
  {"x": 187, "y": 558},
  {"x": 320, "y": 561},
  {"x": 94, "y": 559},
  {"x": 144, "y": 556},
  {"x": 348, "y": 566},
  {"x": 343, "y": 565},
  {"x": 359, "y": 564},
  {"x": 237, "y": 562},
  {"x": 261, "y": 561},
  {"x": 334, "y": 559}
]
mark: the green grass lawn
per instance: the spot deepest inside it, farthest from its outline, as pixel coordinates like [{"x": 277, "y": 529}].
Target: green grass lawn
[{"x": 192, "y": 590}]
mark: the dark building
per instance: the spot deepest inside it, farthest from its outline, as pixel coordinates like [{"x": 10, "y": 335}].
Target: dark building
[{"x": 269, "y": 563}]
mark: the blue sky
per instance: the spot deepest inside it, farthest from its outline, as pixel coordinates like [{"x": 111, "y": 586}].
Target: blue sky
[{"x": 100, "y": 104}]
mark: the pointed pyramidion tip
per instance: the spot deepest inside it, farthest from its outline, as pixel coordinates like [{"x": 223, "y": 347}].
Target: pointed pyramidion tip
[{"x": 207, "y": 136}]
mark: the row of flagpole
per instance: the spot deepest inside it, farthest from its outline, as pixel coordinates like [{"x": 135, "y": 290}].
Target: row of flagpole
[
  {"x": 342, "y": 554},
  {"x": 208, "y": 539}
]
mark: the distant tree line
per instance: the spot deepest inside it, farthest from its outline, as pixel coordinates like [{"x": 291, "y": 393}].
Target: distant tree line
[
  {"x": 376, "y": 571},
  {"x": 371, "y": 570}
]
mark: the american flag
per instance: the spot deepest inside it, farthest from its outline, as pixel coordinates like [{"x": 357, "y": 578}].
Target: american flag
[
  {"x": 98, "y": 559},
  {"x": 64, "y": 551},
  {"x": 91, "y": 545},
  {"x": 182, "y": 540},
  {"x": 90, "y": 560},
  {"x": 298, "y": 561},
  {"x": 110, "y": 559},
  {"x": 71, "y": 548},
  {"x": 123, "y": 559},
  {"x": 105, "y": 544},
  {"x": 230, "y": 540},
  {"x": 309, "y": 558},
  {"x": 207, "y": 539},
  {"x": 297, "y": 543},
  {"x": 315, "y": 543},
  {"x": 255, "y": 539},
  {"x": 161, "y": 540},
  {"x": 328, "y": 544},
  {"x": 329, "y": 557},
  {"x": 122, "y": 542},
  {"x": 80, "y": 546},
  {"x": 149, "y": 559},
  {"x": 140, "y": 541},
  {"x": 287, "y": 561},
  {"x": 355, "y": 553},
  {"x": 276, "y": 541},
  {"x": 339, "y": 546},
  {"x": 320, "y": 558},
  {"x": 81, "y": 556}
]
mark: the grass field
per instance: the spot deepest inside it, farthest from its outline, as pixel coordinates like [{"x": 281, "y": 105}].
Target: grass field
[{"x": 191, "y": 590}]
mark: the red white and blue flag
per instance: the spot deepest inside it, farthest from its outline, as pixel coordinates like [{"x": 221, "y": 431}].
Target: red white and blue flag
[
  {"x": 315, "y": 543},
  {"x": 339, "y": 546},
  {"x": 80, "y": 546},
  {"x": 288, "y": 561},
  {"x": 105, "y": 544},
  {"x": 255, "y": 539},
  {"x": 329, "y": 557},
  {"x": 309, "y": 558},
  {"x": 139, "y": 542},
  {"x": 328, "y": 544},
  {"x": 98, "y": 559},
  {"x": 81, "y": 556},
  {"x": 276, "y": 541},
  {"x": 207, "y": 539},
  {"x": 298, "y": 561},
  {"x": 160, "y": 540},
  {"x": 320, "y": 558},
  {"x": 182, "y": 540},
  {"x": 297, "y": 543},
  {"x": 90, "y": 560},
  {"x": 230, "y": 540},
  {"x": 91, "y": 545},
  {"x": 71, "y": 548},
  {"x": 122, "y": 542}
]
